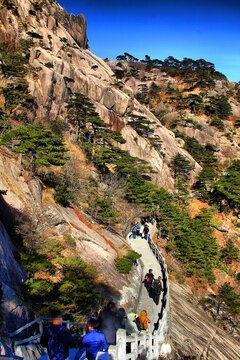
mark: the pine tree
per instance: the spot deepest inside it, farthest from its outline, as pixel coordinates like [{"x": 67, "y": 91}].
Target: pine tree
[
  {"x": 230, "y": 253},
  {"x": 226, "y": 295},
  {"x": 181, "y": 168},
  {"x": 228, "y": 187},
  {"x": 37, "y": 144}
]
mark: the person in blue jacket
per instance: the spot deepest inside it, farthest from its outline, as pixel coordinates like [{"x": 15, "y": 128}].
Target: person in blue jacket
[
  {"x": 95, "y": 341},
  {"x": 134, "y": 232}
]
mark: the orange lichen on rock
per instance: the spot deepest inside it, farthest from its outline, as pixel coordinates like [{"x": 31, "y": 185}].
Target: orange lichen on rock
[
  {"x": 78, "y": 228},
  {"x": 82, "y": 219}
]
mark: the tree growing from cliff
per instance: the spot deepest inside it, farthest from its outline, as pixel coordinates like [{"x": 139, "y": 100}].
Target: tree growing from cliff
[
  {"x": 227, "y": 188},
  {"x": 195, "y": 103},
  {"x": 141, "y": 125},
  {"x": 228, "y": 298},
  {"x": 79, "y": 110},
  {"x": 181, "y": 168},
  {"x": 37, "y": 144},
  {"x": 229, "y": 253},
  {"x": 218, "y": 106}
]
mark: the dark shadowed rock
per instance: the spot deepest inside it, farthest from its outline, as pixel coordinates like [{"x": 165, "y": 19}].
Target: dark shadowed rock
[
  {"x": 15, "y": 313},
  {"x": 10, "y": 271}
]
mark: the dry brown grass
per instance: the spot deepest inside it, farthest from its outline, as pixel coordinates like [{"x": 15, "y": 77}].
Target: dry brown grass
[
  {"x": 123, "y": 251},
  {"x": 47, "y": 197}
]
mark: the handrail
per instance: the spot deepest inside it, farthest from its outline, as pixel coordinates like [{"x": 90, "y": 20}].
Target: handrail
[
  {"x": 150, "y": 345},
  {"x": 41, "y": 319},
  {"x": 147, "y": 345},
  {"x": 39, "y": 334}
]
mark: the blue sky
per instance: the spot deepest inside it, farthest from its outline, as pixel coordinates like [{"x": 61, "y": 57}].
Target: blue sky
[{"x": 208, "y": 29}]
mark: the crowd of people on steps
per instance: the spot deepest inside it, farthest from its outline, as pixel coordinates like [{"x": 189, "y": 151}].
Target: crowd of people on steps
[
  {"x": 101, "y": 332},
  {"x": 140, "y": 230},
  {"x": 153, "y": 286},
  {"x": 101, "y": 328}
]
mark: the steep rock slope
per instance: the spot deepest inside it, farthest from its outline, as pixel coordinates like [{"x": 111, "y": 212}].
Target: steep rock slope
[
  {"x": 194, "y": 333},
  {"x": 27, "y": 196},
  {"x": 140, "y": 79},
  {"x": 64, "y": 67},
  {"x": 11, "y": 277}
]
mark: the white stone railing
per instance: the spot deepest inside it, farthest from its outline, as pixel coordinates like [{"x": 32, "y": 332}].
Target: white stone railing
[
  {"x": 132, "y": 347},
  {"x": 145, "y": 344}
]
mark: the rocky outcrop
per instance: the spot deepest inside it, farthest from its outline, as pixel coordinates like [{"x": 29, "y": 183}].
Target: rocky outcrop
[
  {"x": 75, "y": 69},
  {"x": 48, "y": 218},
  {"x": 194, "y": 333},
  {"x": 11, "y": 278}
]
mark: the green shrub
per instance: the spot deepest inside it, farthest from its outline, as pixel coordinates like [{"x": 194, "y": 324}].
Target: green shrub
[
  {"x": 63, "y": 195},
  {"x": 218, "y": 123},
  {"x": 39, "y": 287},
  {"x": 124, "y": 264},
  {"x": 38, "y": 144},
  {"x": 69, "y": 241},
  {"x": 32, "y": 12},
  {"x": 35, "y": 35},
  {"x": 49, "y": 65},
  {"x": 230, "y": 253},
  {"x": 34, "y": 262}
]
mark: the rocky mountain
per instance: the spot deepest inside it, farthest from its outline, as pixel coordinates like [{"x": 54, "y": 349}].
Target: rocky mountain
[{"x": 80, "y": 207}]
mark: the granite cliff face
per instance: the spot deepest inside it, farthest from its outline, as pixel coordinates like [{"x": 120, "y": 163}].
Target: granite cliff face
[
  {"x": 64, "y": 65},
  {"x": 194, "y": 334},
  {"x": 70, "y": 60},
  {"x": 11, "y": 277}
]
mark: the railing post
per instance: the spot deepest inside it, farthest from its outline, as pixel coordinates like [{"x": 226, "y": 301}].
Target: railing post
[
  {"x": 149, "y": 346},
  {"x": 155, "y": 346},
  {"x": 134, "y": 346},
  {"x": 121, "y": 344},
  {"x": 112, "y": 350},
  {"x": 41, "y": 327},
  {"x": 143, "y": 345}
]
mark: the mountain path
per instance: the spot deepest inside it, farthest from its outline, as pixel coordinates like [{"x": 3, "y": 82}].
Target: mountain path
[{"x": 150, "y": 262}]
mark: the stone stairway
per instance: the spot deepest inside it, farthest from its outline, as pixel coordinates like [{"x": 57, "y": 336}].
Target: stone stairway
[{"x": 150, "y": 262}]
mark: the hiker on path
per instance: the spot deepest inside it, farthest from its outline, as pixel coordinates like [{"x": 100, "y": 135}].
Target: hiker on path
[
  {"x": 148, "y": 280},
  {"x": 94, "y": 342},
  {"x": 93, "y": 316},
  {"x": 109, "y": 323},
  {"x": 134, "y": 232},
  {"x": 141, "y": 231},
  {"x": 145, "y": 231},
  {"x": 122, "y": 317},
  {"x": 130, "y": 324},
  {"x": 138, "y": 228},
  {"x": 144, "y": 320},
  {"x": 156, "y": 289},
  {"x": 57, "y": 338}
]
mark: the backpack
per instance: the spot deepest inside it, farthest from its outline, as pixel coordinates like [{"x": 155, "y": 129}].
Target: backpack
[
  {"x": 56, "y": 349},
  {"x": 137, "y": 321}
]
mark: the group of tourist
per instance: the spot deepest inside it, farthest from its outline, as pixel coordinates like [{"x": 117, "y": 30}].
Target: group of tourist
[
  {"x": 102, "y": 327},
  {"x": 101, "y": 332},
  {"x": 140, "y": 230},
  {"x": 153, "y": 286}
]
